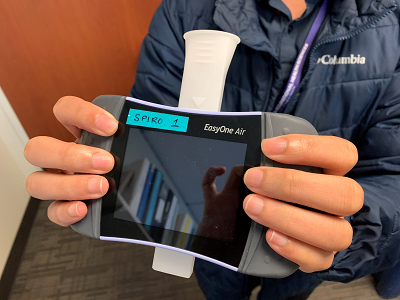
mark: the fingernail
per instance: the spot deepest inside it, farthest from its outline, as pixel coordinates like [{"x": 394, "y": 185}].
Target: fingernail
[
  {"x": 274, "y": 146},
  {"x": 278, "y": 239},
  {"x": 102, "y": 161},
  {"x": 73, "y": 210},
  {"x": 253, "y": 177},
  {"x": 95, "y": 185},
  {"x": 106, "y": 123},
  {"x": 254, "y": 205}
]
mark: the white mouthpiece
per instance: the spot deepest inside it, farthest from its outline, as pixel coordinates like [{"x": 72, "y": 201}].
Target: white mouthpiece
[
  {"x": 208, "y": 55},
  {"x": 207, "y": 59}
]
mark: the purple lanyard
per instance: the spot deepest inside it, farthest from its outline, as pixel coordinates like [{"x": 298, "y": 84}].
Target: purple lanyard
[{"x": 295, "y": 75}]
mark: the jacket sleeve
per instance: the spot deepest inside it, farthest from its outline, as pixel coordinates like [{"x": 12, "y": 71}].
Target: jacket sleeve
[{"x": 376, "y": 227}]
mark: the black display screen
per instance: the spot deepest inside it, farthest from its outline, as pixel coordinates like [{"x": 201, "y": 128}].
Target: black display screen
[{"x": 183, "y": 188}]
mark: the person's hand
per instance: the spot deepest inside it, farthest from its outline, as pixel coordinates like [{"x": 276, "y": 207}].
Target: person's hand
[
  {"x": 61, "y": 160},
  {"x": 308, "y": 238}
]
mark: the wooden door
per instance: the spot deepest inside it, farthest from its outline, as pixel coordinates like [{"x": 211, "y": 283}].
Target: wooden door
[{"x": 53, "y": 48}]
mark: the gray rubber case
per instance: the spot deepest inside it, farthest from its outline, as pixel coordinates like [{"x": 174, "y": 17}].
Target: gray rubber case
[
  {"x": 90, "y": 225},
  {"x": 258, "y": 258}
]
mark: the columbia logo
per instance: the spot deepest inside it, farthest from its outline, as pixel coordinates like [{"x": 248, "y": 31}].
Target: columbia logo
[{"x": 334, "y": 60}]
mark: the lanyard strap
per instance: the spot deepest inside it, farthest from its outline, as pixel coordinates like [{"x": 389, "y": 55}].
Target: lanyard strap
[{"x": 295, "y": 75}]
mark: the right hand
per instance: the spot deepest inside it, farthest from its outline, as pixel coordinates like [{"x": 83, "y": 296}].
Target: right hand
[{"x": 63, "y": 185}]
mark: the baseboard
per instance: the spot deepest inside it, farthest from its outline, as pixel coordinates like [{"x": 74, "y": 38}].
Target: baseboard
[{"x": 17, "y": 250}]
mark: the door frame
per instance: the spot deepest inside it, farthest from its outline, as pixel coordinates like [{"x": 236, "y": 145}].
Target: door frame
[
  {"x": 15, "y": 138},
  {"x": 14, "y": 135}
]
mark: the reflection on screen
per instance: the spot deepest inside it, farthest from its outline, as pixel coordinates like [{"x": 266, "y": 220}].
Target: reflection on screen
[{"x": 181, "y": 183}]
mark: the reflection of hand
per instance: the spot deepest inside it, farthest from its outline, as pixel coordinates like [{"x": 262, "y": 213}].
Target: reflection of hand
[
  {"x": 220, "y": 209},
  {"x": 46, "y": 152},
  {"x": 305, "y": 237}
]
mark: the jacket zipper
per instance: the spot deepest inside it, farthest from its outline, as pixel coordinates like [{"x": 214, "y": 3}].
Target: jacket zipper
[
  {"x": 349, "y": 35},
  {"x": 270, "y": 66}
]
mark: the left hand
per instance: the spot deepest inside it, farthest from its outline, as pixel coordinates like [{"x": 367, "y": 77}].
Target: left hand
[{"x": 308, "y": 238}]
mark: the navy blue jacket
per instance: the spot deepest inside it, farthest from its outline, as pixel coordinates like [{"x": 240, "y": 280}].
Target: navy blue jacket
[{"x": 350, "y": 88}]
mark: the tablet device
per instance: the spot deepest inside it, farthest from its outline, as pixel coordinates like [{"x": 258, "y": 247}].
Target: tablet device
[{"x": 178, "y": 182}]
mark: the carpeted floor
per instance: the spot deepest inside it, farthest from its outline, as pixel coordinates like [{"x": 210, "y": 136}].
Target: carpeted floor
[{"x": 59, "y": 264}]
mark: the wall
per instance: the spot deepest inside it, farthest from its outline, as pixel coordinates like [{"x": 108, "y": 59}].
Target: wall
[
  {"x": 83, "y": 48},
  {"x": 14, "y": 171}
]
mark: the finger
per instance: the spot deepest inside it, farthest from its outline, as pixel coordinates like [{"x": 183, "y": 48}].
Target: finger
[
  {"x": 65, "y": 213},
  {"x": 323, "y": 231},
  {"x": 47, "y": 186},
  {"x": 47, "y": 152},
  {"x": 334, "y": 155},
  {"x": 208, "y": 183},
  {"x": 309, "y": 258},
  {"x": 76, "y": 114},
  {"x": 337, "y": 195}
]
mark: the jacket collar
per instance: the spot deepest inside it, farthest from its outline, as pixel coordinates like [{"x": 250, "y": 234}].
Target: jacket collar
[{"x": 240, "y": 17}]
